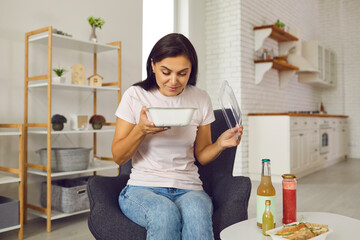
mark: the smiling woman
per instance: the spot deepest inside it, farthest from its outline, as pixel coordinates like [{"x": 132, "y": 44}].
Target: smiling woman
[{"x": 164, "y": 177}]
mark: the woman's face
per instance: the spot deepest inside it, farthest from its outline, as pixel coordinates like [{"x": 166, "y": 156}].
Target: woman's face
[{"x": 172, "y": 74}]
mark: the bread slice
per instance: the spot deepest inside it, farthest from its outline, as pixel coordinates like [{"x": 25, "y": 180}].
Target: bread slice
[
  {"x": 318, "y": 229},
  {"x": 302, "y": 234},
  {"x": 291, "y": 229}
]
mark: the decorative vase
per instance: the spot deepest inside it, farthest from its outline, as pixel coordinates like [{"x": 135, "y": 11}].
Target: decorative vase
[
  {"x": 97, "y": 126},
  {"x": 93, "y": 36},
  {"x": 57, "y": 126},
  {"x": 58, "y": 79}
]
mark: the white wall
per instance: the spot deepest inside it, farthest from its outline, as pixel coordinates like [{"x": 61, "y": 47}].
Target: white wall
[
  {"x": 123, "y": 22},
  {"x": 340, "y": 32}
]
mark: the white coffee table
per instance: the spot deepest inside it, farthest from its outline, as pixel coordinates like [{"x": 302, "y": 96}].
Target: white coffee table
[{"x": 343, "y": 227}]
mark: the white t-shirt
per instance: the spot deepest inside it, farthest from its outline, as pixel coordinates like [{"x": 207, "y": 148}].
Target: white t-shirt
[{"x": 166, "y": 159}]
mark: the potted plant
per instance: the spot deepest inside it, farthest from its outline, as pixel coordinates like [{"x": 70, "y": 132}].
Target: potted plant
[
  {"x": 94, "y": 23},
  {"x": 58, "y": 121},
  {"x": 97, "y": 121},
  {"x": 59, "y": 75},
  {"x": 280, "y": 25}
]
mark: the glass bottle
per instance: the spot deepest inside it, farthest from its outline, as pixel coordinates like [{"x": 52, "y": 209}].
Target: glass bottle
[
  {"x": 265, "y": 191},
  {"x": 265, "y": 54},
  {"x": 267, "y": 218},
  {"x": 289, "y": 198}
]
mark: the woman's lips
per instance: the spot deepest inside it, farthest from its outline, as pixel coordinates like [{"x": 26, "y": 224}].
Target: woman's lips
[{"x": 172, "y": 88}]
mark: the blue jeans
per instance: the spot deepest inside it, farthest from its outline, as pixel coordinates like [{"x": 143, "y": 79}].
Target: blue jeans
[{"x": 169, "y": 213}]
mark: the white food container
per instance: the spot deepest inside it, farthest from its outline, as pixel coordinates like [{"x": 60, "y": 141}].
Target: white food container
[
  {"x": 171, "y": 117},
  {"x": 273, "y": 235}
]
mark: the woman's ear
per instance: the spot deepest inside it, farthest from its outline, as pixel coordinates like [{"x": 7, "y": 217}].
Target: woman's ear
[{"x": 152, "y": 65}]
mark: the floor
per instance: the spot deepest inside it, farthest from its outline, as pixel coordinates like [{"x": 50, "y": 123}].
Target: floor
[{"x": 335, "y": 189}]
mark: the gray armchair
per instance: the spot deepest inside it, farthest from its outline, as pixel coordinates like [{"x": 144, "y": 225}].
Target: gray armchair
[{"x": 230, "y": 196}]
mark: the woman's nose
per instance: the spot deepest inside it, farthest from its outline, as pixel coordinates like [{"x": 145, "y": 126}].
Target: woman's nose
[{"x": 173, "y": 78}]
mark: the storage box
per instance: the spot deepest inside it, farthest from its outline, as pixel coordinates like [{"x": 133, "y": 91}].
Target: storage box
[
  {"x": 9, "y": 212},
  {"x": 79, "y": 122},
  {"x": 67, "y": 195},
  {"x": 66, "y": 159}
]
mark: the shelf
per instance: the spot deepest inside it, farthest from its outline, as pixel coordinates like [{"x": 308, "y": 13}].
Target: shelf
[
  {"x": 96, "y": 165},
  {"x": 286, "y": 70},
  {"x": 278, "y": 65},
  {"x": 8, "y": 179},
  {"x": 10, "y": 228},
  {"x": 44, "y": 132},
  {"x": 73, "y": 87},
  {"x": 10, "y": 133},
  {"x": 56, "y": 214},
  {"x": 71, "y": 43}
]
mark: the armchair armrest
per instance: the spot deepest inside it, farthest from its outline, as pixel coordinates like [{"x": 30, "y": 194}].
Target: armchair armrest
[
  {"x": 106, "y": 221},
  {"x": 230, "y": 198}
]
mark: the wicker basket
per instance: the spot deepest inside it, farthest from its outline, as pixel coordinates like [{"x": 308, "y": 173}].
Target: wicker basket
[
  {"x": 66, "y": 159},
  {"x": 67, "y": 195}
]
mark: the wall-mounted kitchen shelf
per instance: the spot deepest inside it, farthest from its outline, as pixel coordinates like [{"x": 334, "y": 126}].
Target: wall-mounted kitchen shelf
[
  {"x": 286, "y": 41},
  {"x": 46, "y": 37},
  {"x": 285, "y": 70}
]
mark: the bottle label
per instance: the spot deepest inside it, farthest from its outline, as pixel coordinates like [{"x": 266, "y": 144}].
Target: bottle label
[{"x": 260, "y": 207}]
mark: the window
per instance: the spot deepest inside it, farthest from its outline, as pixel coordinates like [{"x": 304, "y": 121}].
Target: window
[{"x": 158, "y": 20}]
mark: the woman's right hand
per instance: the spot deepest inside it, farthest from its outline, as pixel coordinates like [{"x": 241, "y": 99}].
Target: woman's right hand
[{"x": 146, "y": 126}]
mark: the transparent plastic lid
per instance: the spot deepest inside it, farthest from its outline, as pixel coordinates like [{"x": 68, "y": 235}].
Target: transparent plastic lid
[{"x": 229, "y": 105}]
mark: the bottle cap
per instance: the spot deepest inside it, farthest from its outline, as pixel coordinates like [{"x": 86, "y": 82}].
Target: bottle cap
[
  {"x": 267, "y": 202},
  {"x": 288, "y": 176},
  {"x": 265, "y": 160}
]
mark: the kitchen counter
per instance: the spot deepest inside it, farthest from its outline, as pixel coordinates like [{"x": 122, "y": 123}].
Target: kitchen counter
[{"x": 298, "y": 114}]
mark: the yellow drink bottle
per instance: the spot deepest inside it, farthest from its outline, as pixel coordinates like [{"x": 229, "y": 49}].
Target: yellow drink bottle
[
  {"x": 267, "y": 218},
  {"x": 265, "y": 191}
]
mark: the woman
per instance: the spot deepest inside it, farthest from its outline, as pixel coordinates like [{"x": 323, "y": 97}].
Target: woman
[{"x": 164, "y": 193}]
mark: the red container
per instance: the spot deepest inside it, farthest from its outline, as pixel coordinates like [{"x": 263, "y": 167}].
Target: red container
[{"x": 289, "y": 198}]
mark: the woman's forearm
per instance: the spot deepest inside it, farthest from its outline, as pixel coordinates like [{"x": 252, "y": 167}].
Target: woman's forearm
[
  {"x": 209, "y": 153},
  {"x": 124, "y": 149}
]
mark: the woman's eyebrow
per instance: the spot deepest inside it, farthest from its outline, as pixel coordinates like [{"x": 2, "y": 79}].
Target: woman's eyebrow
[{"x": 171, "y": 70}]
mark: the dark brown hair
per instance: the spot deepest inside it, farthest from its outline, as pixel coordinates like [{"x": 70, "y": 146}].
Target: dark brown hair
[{"x": 171, "y": 45}]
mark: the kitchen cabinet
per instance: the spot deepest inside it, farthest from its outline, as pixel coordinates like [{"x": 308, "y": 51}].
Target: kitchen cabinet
[
  {"x": 10, "y": 175},
  {"x": 45, "y": 36},
  {"x": 292, "y": 143},
  {"x": 286, "y": 41},
  {"x": 324, "y": 60}
]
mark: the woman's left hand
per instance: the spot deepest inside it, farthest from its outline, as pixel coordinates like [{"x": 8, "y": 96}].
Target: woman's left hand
[{"x": 230, "y": 138}]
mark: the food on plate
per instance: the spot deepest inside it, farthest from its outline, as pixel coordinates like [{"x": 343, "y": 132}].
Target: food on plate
[{"x": 302, "y": 231}]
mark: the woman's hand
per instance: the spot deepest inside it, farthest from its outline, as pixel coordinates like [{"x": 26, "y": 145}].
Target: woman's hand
[
  {"x": 146, "y": 126},
  {"x": 230, "y": 138}
]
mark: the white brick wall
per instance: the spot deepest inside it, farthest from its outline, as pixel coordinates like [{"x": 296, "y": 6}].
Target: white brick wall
[
  {"x": 223, "y": 49},
  {"x": 222, "y": 46}
]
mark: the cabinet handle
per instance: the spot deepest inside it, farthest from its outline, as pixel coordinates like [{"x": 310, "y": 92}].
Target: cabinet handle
[
  {"x": 315, "y": 149},
  {"x": 301, "y": 134},
  {"x": 305, "y": 123},
  {"x": 344, "y": 130},
  {"x": 315, "y": 131},
  {"x": 295, "y": 123}
]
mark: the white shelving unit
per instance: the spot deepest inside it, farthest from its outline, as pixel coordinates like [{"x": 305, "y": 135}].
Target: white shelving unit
[
  {"x": 95, "y": 165},
  {"x": 45, "y": 36},
  {"x": 45, "y": 132},
  {"x": 10, "y": 175}
]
